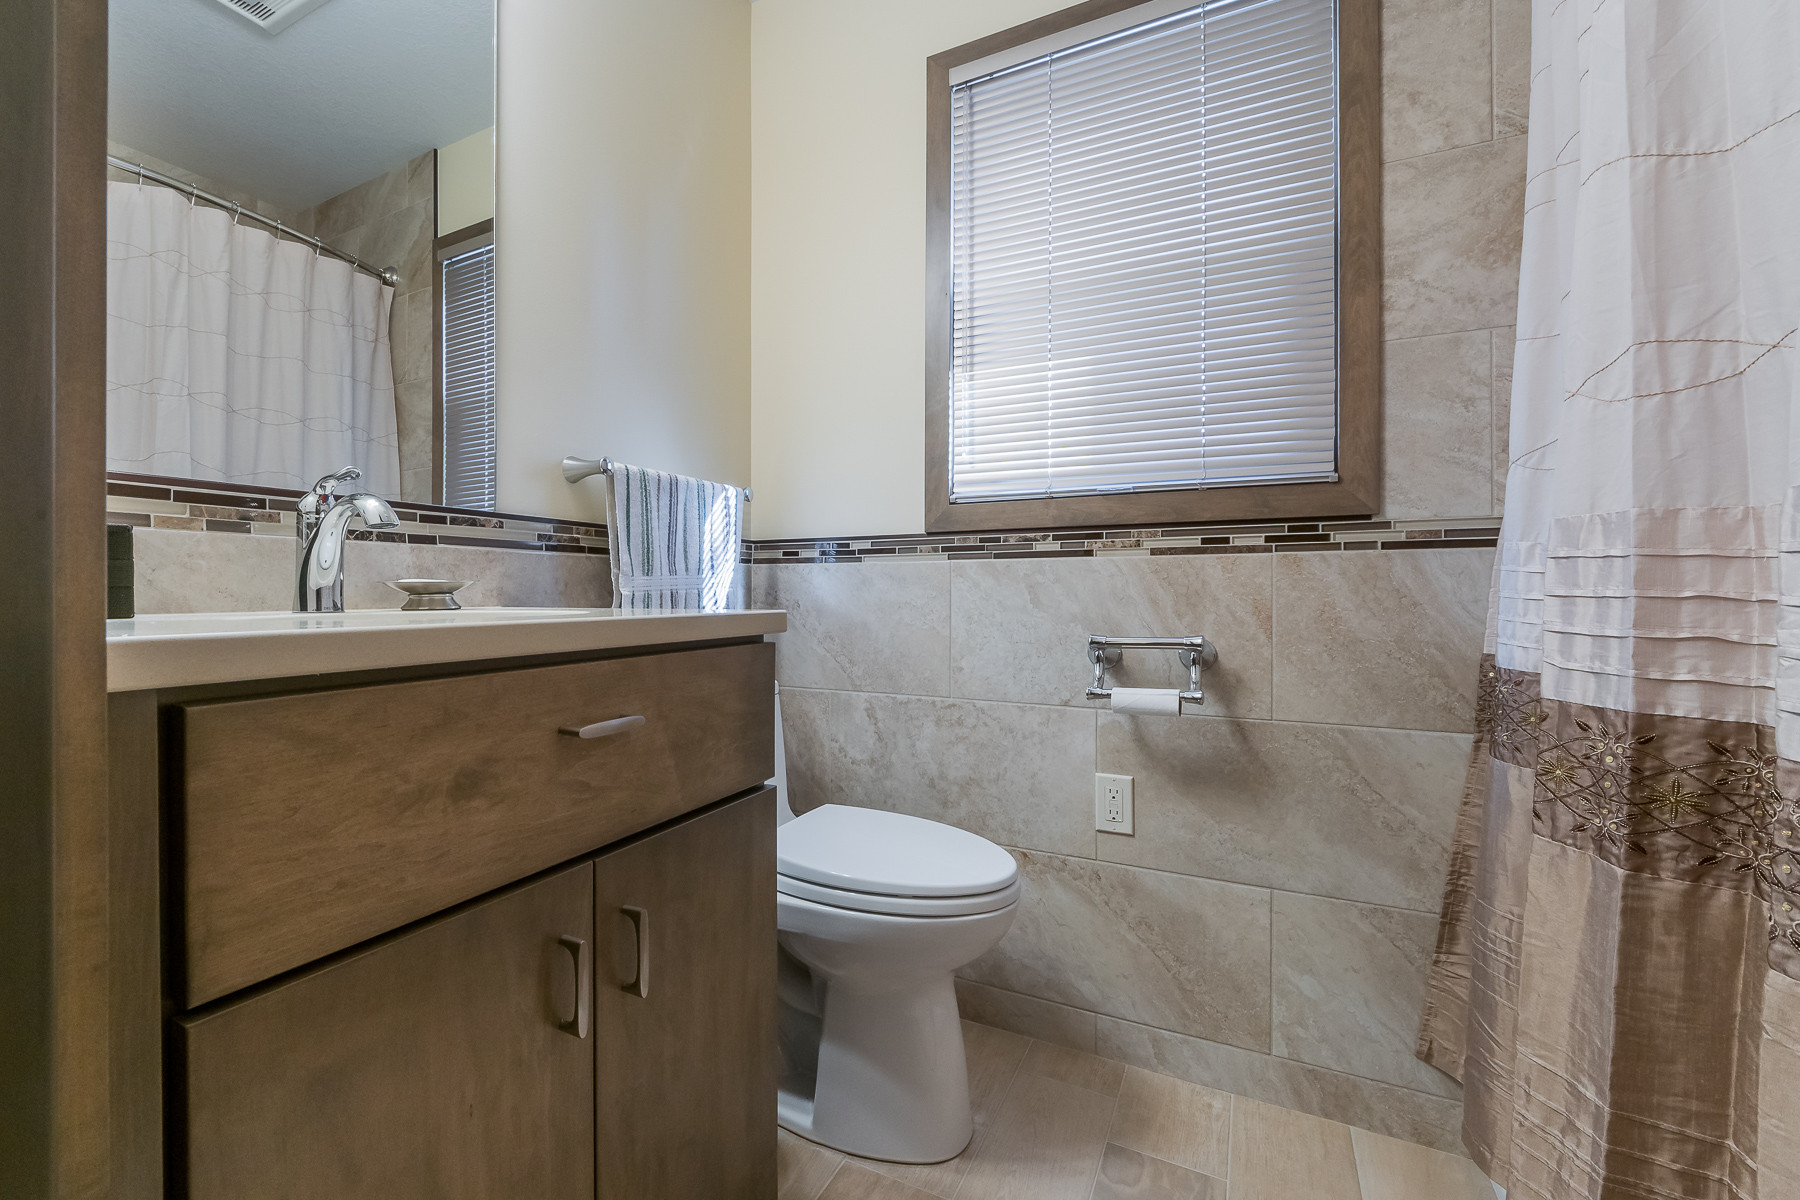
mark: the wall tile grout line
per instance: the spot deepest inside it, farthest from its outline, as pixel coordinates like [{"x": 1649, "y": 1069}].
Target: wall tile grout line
[
  {"x": 1420, "y": 337},
  {"x": 1494, "y": 70},
  {"x": 1261, "y": 887},
  {"x": 1272, "y": 975},
  {"x": 1492, "y": 141}
]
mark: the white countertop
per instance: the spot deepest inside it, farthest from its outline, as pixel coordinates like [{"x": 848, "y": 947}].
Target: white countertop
[{"x": 182, "y": 649}]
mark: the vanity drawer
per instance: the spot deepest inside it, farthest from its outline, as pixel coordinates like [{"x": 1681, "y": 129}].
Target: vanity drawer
[{"x": 311, "y": 822}]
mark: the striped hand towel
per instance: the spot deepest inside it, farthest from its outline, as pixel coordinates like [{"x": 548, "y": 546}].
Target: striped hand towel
[{"x": 675, "y": 540}]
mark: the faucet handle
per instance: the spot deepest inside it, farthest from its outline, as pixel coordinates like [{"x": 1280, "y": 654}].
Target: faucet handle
[
  {"x": 328, "y": 484},
  {"x": 326, "y": 489}
]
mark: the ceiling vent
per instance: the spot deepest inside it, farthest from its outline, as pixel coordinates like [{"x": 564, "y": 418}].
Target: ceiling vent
[{"x": 271, "y": 16}]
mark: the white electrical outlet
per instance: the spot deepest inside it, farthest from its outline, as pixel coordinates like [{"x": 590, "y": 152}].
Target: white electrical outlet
[{"x": 1112, "y": 803}]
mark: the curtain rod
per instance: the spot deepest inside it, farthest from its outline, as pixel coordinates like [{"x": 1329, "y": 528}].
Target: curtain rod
[{"x": 387, "y": 275}]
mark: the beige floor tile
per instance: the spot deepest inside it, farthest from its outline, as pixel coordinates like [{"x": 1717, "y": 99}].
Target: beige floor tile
[
  {"x": 1395, "y": 1170},
  {"x": 1278, "y": 1154},
  {"x": 1174, "y": 1120},
  {"x": 802, "y": 1167},
  {"x": 1128, "y": 1175},
  {"x": 1064, "y": 1065},
  {"x": 936, "y": 1179},
  {"x": 853, "y": 1182},
  {"x": 1045, "y": 1144},
  {"x": 994, "y": 1056}
]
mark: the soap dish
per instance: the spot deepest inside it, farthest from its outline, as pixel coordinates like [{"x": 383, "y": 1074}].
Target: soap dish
[{"x": 429, "y": 595}]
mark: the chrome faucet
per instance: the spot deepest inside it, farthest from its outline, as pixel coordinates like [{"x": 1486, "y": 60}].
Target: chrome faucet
[{"x": 324, "y": 519}]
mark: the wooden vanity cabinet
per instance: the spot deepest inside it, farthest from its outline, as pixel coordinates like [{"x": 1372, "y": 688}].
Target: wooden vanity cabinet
[
  {"x": 684, "y": 1010},
  {"x": 434, "y": 1066},
  {"x": 377, "y": 939}
]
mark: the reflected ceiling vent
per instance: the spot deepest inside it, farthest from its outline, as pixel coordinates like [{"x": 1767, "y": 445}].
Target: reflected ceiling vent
[{"x": 271, "y": 16}]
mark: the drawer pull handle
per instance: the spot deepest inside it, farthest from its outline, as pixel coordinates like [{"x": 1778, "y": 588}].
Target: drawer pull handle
[
  {"x": 640, "y": 926},
  {"x": 582, "y": 956},
  {"x": 600, "y": 729}
]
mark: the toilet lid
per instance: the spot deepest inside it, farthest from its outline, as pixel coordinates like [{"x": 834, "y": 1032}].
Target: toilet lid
[{"x": 889, "y": 854}]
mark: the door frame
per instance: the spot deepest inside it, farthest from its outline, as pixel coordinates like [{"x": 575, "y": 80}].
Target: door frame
[{"x": 55, "y": 1112}]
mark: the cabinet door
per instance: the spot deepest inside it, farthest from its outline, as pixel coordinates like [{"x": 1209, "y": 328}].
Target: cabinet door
[
  {"x": 686, "y": 1071},
  {"x": 430, "y": 1066}
]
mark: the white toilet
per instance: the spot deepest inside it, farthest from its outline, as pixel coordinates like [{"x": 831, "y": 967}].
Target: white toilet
[{"x": 876, "y": 911}]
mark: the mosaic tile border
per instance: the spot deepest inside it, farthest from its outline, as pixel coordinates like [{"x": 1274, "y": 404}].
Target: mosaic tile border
[
  {"x": 1265, "y": 538},
  {"x": 155, "y": 502}
]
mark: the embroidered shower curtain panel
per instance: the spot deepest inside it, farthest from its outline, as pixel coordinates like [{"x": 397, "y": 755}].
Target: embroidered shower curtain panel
[
  {"x": 1617, "y": 980},
  {"x": 236, "y": 356}
]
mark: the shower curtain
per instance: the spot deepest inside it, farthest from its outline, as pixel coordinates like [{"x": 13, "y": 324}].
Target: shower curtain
[
  {"x": 235, "y": 356},
  {"x": 1617, "y": 979}
]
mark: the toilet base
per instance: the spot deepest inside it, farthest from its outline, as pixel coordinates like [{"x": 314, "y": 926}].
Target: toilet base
[{"x": 892, "y": 1082}]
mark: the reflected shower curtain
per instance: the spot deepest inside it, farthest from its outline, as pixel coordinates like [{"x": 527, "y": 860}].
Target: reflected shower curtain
[
  {"x": 1617, "y": 980},
  {"x": 233, "y": 355}
]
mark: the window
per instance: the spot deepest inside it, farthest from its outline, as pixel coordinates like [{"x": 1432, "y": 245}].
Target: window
[
  {"x": 466, "y": 288},
  {"x": 1140, "y": 229}
]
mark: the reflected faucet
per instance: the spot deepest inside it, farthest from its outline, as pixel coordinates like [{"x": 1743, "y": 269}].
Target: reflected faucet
[{"x": 324, "y": 519}]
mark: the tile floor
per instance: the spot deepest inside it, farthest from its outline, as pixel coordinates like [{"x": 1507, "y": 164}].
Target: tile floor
[{"x": 1056, "y": 1124}]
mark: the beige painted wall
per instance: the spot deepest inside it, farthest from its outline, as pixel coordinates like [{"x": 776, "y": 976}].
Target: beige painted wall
[
  {"x": 622, "y": 217},
  {"x": 465, "y": 182},
  {"x": 838, "y": 251}
]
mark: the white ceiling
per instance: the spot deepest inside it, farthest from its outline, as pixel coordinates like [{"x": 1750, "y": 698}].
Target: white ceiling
[{"x": 347, "y": 92}]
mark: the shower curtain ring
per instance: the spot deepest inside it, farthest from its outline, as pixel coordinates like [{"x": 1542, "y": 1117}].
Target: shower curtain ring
[
  {"x": 237, "y": 210},
  {"x": 140, "y": 174}
]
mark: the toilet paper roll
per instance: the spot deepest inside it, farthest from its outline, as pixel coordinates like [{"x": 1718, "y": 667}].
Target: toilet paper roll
[{"x": 1147, "y": 702}]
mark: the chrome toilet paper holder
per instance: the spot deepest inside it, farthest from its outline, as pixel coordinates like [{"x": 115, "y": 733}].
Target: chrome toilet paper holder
[{"x": 1197, "y": 654}]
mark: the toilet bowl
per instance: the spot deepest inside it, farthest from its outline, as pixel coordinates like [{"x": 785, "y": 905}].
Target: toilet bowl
[{"x": 875, "y": 912}]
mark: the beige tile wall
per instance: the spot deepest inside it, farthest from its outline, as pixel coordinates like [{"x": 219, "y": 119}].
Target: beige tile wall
[
  {"x": 390, "y": 221},
  {"x": 1266, "y": 930},
  {"x": 1455, "y": 78},
  {"x": 180, "y": 571}
]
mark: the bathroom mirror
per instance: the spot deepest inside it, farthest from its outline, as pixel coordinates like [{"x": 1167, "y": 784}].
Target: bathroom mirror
[{"x": 300, "y": 244}]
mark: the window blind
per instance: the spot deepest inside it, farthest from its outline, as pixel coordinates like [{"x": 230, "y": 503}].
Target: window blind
[
  {"x": 468, "y": 377},
  {"x": 1144, "y": 246}
]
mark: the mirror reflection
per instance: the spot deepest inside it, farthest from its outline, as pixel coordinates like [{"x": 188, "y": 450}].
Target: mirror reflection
[{"x": 300, "y": 244}]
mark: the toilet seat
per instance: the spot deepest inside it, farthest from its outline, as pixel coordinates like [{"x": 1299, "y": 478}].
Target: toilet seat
[
  {"x": 871, "y": 853},
  {"x": 900, "y": 906}
]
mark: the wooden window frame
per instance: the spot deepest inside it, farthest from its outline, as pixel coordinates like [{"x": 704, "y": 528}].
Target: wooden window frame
[{"x": 1357, "y": 490}]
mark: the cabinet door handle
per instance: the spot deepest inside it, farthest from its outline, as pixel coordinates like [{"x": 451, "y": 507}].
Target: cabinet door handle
[
  {"x": 600, "y": 729},
  {"x": 583, "y": 957},
  {"x": 640, "y": 925}
]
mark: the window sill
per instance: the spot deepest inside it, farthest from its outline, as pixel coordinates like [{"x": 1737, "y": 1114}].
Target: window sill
[{"x": 1272, "y": 502}]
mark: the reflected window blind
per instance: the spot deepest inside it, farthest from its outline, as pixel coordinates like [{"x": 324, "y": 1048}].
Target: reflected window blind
[
  {"x": 1144, "y": 274},
  {"x": 469, "y": 446}
]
